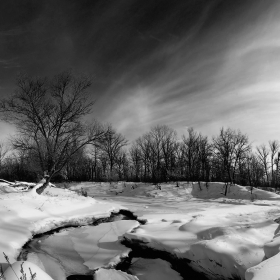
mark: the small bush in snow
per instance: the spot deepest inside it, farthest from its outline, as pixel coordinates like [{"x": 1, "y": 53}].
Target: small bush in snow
[
  {"x": 84, "y": 192},
  {"x": 23, "y": 275}
]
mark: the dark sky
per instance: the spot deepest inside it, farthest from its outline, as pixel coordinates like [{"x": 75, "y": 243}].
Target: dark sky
[{"x": 200, "y": 63}]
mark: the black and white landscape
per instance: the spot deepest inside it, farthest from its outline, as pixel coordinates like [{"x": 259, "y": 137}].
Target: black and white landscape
[{"x": 139, "y": 139}]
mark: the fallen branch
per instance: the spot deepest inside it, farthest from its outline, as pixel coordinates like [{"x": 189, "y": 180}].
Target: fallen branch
[
  {"x": 17, "y": 184},
  {"x": 10, "y": 183}
]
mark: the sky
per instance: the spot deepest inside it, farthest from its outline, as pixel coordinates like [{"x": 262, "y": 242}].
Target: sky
[{"x": 205, "y": 64}]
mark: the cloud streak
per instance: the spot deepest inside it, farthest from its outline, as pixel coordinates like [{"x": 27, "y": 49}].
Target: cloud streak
[{"x": 195, "y": 63}]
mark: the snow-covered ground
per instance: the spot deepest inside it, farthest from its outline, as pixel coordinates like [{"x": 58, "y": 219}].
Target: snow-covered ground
[
  {"x": 25, "y": 213},
  {"x": 222, "y": 237},
  {"x": 77, "y": 251}
]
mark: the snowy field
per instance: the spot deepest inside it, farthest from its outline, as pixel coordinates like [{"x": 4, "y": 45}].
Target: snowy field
[{"x": 232, "y": 237}]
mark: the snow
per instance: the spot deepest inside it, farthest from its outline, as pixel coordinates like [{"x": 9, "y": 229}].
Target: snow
[
  {"x": 216, "y": 190},
  {"x": 48, "y": 264},
  {"x": 222, "y": 237},
  {"x": 87, "y": 248},
  {"x": 268, "y": 269},
  {"x": 225, "y": 245},
  {"x": 23, "y": 214},
  {"x": 13, "y": 273}
]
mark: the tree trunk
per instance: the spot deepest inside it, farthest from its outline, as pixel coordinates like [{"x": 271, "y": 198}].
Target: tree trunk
[{"x": 43, "y": 187}]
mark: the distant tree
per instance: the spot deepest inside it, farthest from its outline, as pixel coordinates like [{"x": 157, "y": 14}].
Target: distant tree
[
  {"x": 168, "y": 145},
  {"x": 4, "y": 149},
  {"x": 255, "y": 170},
  {"x": 49, "y": 116},
  {"x": 263, "y": 156},
  {"x": 230, "y": 147},
  {"x": 153, "y": 155},
  {"x": 95, "y": 162},
  {"x": 205, "y": 152},
  {"x": 277, "y": 165},
  {"x": 111, "y": 145},
  {"x": 274, "y": 148},
  {"x": 144, "y": 146},
  {"x": 136, "y": 161},
  {"x": 191, "y": 149},
  {"x": 122, "y": 165}
]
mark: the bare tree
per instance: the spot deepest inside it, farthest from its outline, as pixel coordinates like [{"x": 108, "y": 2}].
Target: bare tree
[
  {"x": 276, "y": 176},
  {"x": 230, "y": 147},
  {"x": 263, "y": 154},
  {"x": 144, "y": 144},
  {"x": 204, "y": 157},
  {"x": 111, "y": 144},
  {"x": 274, "y": 148},
  {"x": 191, "y": 152},
  {"x": 135, "y": 156},
  {"x": 168, "y": 145},
  {"x": 4, "y": 149},
  {"x": 49, "y": 118}
]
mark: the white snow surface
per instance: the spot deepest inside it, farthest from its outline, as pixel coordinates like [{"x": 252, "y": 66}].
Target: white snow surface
[
  {"x": 23, "y": 214},
  {"x": 232, "y": 236},
  {"x": 222, "y": 236}
]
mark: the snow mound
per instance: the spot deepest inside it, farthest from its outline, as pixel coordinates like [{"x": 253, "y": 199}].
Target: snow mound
[
  {"x": 270, "y": 268},
  {"x": 223, "y": 241},
  {"x": 23, "y": 214},
  {"x": 214, "y": 190},
  {"x": 272, "y": 247},
  {"x": 6, "y": 188},
  {"x": 266, "y": 270}
]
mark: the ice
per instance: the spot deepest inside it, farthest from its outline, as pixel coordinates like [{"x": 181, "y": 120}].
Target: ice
[
  {"x": 112, "y": 274},
  {"x": 48, "y": 264},
  {"x": 156, "y": 269},
  {"x": 88, "y": 248}
]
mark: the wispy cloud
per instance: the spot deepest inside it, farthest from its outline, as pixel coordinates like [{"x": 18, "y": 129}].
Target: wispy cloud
[
  {"x": 210, "y": 82},
  {"x": 10, "y": 63}
]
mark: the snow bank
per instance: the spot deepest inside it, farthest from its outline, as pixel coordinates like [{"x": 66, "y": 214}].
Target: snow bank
[
  {"x": 266, "y": 270},
  {"x": 222, "y": 242},
  {"x": 270, "y": 268},
  {"x": 217, "y": 190},
  {"x": 24, "y": 214}
]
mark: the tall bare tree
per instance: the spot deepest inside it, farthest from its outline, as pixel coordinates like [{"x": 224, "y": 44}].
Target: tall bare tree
[
  {"x": 49, "y": 116},
  {"x": 263, "y": 155},
  {"x": 4, "y": 149},
  {"x": 136, "y": 160},
  {"x": 111, "y": 145},
  {"x": 191, "y": 152},
  {"x": 230, "y": 147},
  {"x": 274, "y": 148}
]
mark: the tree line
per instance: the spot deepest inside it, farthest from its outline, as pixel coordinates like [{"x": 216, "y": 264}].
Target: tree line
[{"x": 55, "y": 138}]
